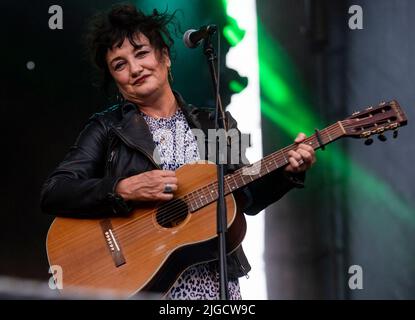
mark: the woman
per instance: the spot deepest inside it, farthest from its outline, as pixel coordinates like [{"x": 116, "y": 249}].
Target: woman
[{"x": 112, "y": 168}]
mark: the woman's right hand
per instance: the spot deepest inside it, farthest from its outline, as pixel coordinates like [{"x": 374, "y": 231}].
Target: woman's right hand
[{"x": 148, "y": 186}]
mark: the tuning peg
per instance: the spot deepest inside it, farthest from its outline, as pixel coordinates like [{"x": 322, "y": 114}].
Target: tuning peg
[
  {"x": 395, "y": 134},
  {"x": 382, "y": 137},
  {"x": 368, "y": 141}
]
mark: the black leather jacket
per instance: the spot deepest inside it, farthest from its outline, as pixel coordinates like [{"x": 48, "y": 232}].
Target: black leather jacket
[{"x": 116, "y": 144}]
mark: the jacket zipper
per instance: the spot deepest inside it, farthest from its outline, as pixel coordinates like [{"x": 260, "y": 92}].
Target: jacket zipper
[
  {"x": 111, "y": 156},
  {"x": 138, "y": 148},
  {"x": 109, "y": 162},
  {"x": 243, "y": 269},
  {"x": 242, "y": 266}
]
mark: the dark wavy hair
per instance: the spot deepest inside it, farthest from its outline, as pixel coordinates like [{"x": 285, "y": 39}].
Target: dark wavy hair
[{"x": 110, "y": 28}]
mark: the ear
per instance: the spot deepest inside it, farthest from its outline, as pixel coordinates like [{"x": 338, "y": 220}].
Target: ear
[{"x": 166, "y": 57}]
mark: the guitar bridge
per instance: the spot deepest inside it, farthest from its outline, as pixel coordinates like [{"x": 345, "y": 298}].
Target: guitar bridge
[{"x": 112, "y": 243}]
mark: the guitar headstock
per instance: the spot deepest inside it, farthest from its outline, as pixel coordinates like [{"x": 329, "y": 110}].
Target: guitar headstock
[{"x": 375, "y": 120}]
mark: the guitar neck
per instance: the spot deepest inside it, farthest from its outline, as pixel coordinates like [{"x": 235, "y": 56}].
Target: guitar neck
[{"x": 266, "y": 165}]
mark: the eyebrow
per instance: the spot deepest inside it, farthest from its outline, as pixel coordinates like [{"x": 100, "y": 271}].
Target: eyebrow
[{"x": 136, "y": 48}]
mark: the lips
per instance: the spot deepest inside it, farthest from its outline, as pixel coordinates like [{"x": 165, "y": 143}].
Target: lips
[{"x": 140, "y": 80}]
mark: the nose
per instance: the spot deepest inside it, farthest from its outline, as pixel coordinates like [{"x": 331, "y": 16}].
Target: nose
[{"x": 136, "y": 68}]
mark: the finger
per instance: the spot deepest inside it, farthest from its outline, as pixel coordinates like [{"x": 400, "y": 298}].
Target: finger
[
  {"x": 167, "y": 187},
  {"x": 162, "y": 173},
  {"x": 169, "y": 180},
  {"x": 289, "y": 168},
  {"x": 311, "y": 151},
  {"x": 165, "y": 196},
  {"x": 306, "y": 147},
  {"x": 294, "y": 164},
  {"x": 307, "y": 157},
  {"x": 172, "y": 187},
  {"x": 168, "y": 173},
  {"x": 295, "y": 155},
  {"x": 300, "y": 137}
]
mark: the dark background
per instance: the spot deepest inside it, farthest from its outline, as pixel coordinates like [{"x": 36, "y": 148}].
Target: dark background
[{"x": 342, "y": 218}]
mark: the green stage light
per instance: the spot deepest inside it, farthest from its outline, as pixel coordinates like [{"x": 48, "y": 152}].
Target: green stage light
[
  {"x": 236, "y": 86},
  {"x": 232, "y": 32},
  {"x": 284, "y": 102}
]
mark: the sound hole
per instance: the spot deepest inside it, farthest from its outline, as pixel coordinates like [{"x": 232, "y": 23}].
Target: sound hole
[{"x": 172, "y": 213}]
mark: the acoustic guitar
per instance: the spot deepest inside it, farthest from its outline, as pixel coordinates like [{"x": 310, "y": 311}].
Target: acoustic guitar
[{"x": 149, "y": 249}]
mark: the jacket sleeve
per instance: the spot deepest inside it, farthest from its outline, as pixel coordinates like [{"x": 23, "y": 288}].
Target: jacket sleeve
[
  {"x": 264, "y": 191},
  {"x": 77, "y": 187}
]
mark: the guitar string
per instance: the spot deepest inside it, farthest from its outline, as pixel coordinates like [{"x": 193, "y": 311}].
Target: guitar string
[
  {"x": 175, "y": 208},
  {"x": 170, "y": 208},
  {"x": 173, "y": 213}
]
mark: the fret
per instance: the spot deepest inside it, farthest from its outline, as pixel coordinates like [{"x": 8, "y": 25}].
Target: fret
[
  {"x": 275, "y": 160},
  {"x": 276, "y": 164},
  {"x": 266, "y": 171},
  {"x": 330, "y": 139},
  {"x": 249, "y": 174},
  {"x": 285, "y": 158},
  {"x": 231, "y": 187},
  {"x": 311, "y": 143},
  {"x": 236, "y": 185},
  {"x": 227, "y": 185},
  {"x": 202, "y": 197},
  {"x": 189, "y": 202},
  {"x": 208, "y": 195},
  {"x": 196, "y": 197},
  {"x": 213, "y": 194},
  {"x": 269, "y": 164},
  {"x": 266, "y": 166},
  {"x": 191, "y": 206},
  {"x": 242, "y": 177},
  {"x": 263, "y": 168}
]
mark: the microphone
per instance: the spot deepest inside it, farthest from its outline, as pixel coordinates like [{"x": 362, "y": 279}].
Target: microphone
[{"x": 192, "y": 38}]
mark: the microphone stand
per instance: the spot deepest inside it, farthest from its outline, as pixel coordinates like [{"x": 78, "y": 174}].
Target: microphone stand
[{"x": 222, "y": 225}]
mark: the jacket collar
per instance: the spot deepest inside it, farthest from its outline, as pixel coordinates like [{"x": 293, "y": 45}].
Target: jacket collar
[{"x": 133, "y": 129}]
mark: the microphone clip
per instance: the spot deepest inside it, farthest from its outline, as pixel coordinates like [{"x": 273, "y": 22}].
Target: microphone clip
[{"x": 193, "y": 38}]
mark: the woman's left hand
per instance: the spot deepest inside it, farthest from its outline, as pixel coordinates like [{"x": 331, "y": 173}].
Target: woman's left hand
[{"x": 302, "y": 158}]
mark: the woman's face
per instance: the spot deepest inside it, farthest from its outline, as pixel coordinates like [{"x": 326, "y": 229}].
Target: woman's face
[{"x": 139, "y": 72}]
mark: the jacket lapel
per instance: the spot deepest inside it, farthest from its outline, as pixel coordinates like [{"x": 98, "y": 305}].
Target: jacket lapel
[{"x": 134, "y": 132}]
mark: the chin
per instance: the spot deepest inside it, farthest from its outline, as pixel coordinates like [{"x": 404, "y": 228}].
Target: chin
[
  {"x": 145, "y": 91},
  {"x": 140, "y": 94}
]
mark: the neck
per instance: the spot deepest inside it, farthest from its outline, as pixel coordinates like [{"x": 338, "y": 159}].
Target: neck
[
  {"x": 158, "y": 105},
  {"x": 249, "y": 173}
]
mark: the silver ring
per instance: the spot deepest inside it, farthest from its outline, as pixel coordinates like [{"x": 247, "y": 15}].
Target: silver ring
[
  {"x": 300, "y": 162},
  {"x": 168, "y": 188}
]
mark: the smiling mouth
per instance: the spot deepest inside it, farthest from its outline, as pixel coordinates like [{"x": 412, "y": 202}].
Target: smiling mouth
[{"x": 140, "y": 80}]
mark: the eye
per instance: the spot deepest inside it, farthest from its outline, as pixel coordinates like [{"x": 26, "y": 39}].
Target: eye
[
  {"x": 119, "y": 66},
  {"x": 141, "y": 53}
]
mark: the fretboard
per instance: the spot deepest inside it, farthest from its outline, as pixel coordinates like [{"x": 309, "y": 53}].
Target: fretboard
[{"x": 247, "y": 174}]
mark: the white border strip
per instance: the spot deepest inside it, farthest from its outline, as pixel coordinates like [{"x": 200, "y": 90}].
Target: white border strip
[{"x": 245, "y": 108}]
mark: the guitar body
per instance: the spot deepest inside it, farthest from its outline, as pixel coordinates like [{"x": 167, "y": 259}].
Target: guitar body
[{"x": 140, "y": 252}]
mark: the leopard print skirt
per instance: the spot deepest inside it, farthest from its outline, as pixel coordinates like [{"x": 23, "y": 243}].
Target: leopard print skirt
[{"x": 201, "y": 282}]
